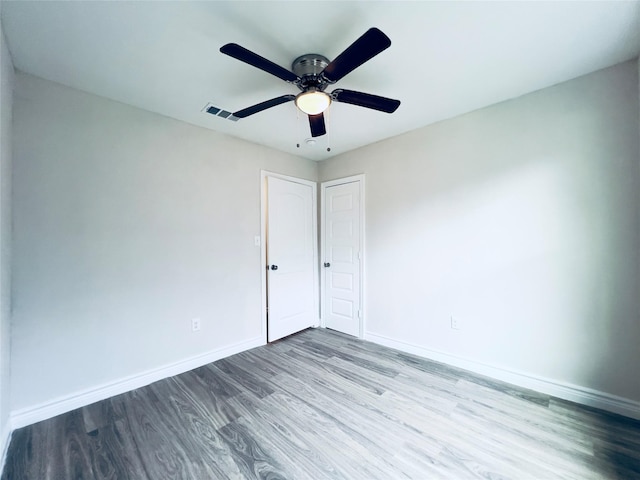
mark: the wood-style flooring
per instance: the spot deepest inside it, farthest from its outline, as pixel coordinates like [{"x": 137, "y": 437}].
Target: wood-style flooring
[{"x": 325, "y": 405}]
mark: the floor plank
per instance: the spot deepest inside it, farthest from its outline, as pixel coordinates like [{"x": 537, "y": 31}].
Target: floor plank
[{"x": 319, "y": 405}]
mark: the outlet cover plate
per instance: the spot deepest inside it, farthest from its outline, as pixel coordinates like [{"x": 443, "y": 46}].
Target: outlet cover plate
[{"x": 195, "y": 325}]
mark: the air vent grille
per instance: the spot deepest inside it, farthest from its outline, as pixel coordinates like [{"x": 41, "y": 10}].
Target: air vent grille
[{"x": 219, "y": 112}]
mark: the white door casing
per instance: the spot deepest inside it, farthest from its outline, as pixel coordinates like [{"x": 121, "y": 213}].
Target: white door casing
[
  {"x": 291, "y": 256},
  {"x": 343, "y": 255}
]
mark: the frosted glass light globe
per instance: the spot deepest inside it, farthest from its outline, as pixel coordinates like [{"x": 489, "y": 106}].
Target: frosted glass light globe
[{"x": 313, "y": 103}]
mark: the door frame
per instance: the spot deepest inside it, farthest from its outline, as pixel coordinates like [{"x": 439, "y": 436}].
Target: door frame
[
  {"x": 360, "y": 178},
  {"x": 263, "y": 242}
]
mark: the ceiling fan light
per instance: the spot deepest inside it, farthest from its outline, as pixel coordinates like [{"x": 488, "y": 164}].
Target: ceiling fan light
[{"x": 313, "y": 102}]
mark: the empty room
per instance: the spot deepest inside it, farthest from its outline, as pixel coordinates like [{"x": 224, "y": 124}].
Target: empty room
[{"x": 319, "y": 239}]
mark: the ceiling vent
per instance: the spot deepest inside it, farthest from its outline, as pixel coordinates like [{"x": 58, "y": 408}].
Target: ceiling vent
[{"x": 219, "y": 112}]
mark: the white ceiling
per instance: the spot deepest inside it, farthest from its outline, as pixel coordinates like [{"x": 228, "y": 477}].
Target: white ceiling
[{"x": 446, "y": 58}]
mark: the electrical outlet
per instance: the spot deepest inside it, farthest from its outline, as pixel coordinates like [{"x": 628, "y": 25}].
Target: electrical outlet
[
  {"x": 195, "y": 324},
  {"x": 455, "y": 323}
]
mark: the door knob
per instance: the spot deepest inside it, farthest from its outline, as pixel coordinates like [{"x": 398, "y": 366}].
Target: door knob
[
  {"x": 274, "y": 267},
  {"x": 327, "y": 264}
]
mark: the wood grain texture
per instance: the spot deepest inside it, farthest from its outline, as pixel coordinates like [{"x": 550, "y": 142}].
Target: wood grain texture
[{"x": 322, "y": 405}]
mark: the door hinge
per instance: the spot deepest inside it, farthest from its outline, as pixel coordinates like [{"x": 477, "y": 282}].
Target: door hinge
[{"x": 359, "y": 313}]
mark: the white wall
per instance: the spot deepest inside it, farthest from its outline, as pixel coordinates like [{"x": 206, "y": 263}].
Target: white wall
[
  {"x": 6, "y": 102},
  {"x": 126, "y": 226},
  {"x": 522, "y": 221}
]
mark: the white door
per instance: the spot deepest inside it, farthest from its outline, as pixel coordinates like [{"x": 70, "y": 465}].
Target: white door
[
  {"x": 342, "y": 257},
  {"x": 291, "y": 284}
]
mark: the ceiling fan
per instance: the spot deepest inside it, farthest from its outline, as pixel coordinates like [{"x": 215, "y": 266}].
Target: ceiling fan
[{"x": 312, "y": 73}]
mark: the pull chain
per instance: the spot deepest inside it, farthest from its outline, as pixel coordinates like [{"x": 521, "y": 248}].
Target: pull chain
[
  {"x": 328, "y": 127},
  {"x": 298, "y": 124}
]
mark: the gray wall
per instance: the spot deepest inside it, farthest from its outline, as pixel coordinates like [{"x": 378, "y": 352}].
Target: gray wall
[
  {"x": 6, "y": 102},
  {"x": 126, "y": 226},
  {"x": 522, "y": 221}
]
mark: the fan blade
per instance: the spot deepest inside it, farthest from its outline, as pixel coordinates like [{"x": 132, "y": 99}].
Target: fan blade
[
  {"x": 316, "y": 122},
  {"x": 367, "y": 100},
  {"x": 263, "y": 106},
  {"x": 240, "y": 53},
  {"x": 365, "y": 48}
]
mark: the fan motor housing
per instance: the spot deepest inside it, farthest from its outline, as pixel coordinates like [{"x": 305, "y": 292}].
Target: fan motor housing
[
  {"x": 309, "y": 64},
  {"x": 309, "y": 68}
]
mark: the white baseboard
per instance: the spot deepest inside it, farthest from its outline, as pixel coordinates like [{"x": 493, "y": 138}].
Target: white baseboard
[
  {"x": 5, "y": 438},
  {"x": 29, "y": 415},
  {"x": 563, "y": 390}
]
